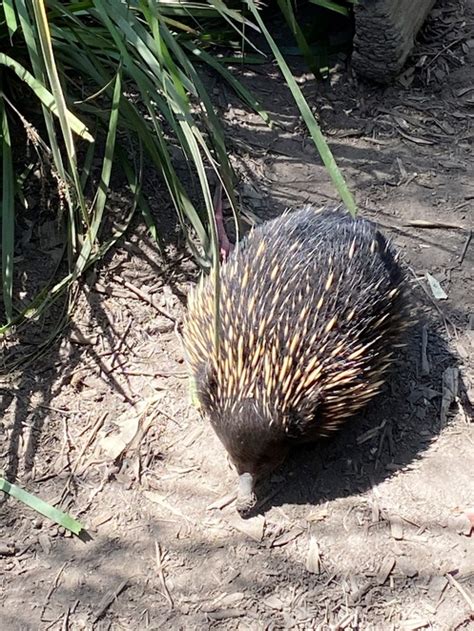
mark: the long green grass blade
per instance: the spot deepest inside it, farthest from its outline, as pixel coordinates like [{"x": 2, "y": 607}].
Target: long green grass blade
[
  {"x": 313, "y": 127},
  {"x": 57, "y": 90},
  {"x": 29, "y": 32},
  {"x": 101, "y": 197},
  {"x": 332, "y": 6},
  {"x": 10, "y": 16},
  {"x": 45, "y": 96},
  {"x": 234, "y": 83},
  {"x": 286, "y": 7},
  {"x": 40, "y": 506},
  {"x": 8, "y": 217},
  {"x": 157, "y": 146}
]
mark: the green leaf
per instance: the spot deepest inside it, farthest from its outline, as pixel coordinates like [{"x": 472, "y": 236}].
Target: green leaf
[
  {"x": 313, "y": 127},
  {"x": 8, "y": 217},
  {"x": 10, "y": 16},
  {"x": 238, "y": 87},
  {"x": 333, "y": 6},
  {"x": 45, "y": 96},
  {"x": 286, "y": 8},
  {"x": 101, "y": 197},
  {"x": 37, "y": 504}
]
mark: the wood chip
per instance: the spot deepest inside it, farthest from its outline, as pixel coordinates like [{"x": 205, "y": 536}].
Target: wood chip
[
  {"x": 450, "y": 392},
  {"x": 318, "y": 514},
  {"x": 44, "y": 542},
  {"x": 222, "y": 502},
  {"x": 436, "y": 587},
  {"x": 414, "y": 624},
  {"x": 274, "y": 602},
  {"x": 78, "y": 337},
  {"x": 385, "y": 570},
  {"x": 362, "y": 438},
  {"x": 460, "y": 524},
  {"x": 464, "y": 593},
  {"x": 253, "y": 527},
  {"x": 313, "y": 559},
  {"x": 223, "y": 601},
  {"x": 435, "y": 286},
  {"x": 396, "y": 527},
  {"x": 469, "y": 514},
  {"x": 287, "y": 537},
  {"x": 355, "y": 596},
  {"x": 227, "y": 613},
  {"x": 7, "y": 549}
]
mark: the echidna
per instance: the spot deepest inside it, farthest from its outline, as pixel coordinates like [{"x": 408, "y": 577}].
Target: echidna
[{"x": 311, "y": 306}]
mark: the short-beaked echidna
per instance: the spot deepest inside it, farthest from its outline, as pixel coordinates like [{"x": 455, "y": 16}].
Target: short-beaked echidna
[{"x": 311, "y": 306}]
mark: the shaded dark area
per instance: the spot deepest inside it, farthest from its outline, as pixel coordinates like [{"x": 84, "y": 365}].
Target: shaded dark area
[{"x": 387, "y": 437}]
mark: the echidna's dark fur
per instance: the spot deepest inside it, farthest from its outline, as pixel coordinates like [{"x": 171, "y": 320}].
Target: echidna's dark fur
[{"x": 311, "y": 306}]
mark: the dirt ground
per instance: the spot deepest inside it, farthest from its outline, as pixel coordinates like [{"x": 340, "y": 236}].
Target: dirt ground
[{"x": 366, "y": 531}]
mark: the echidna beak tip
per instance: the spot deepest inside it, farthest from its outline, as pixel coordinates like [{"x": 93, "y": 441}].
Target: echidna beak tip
[{"x": 246, "y": 498}]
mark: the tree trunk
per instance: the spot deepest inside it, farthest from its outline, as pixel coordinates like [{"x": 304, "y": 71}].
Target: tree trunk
[{"x": 385, "y": 34}]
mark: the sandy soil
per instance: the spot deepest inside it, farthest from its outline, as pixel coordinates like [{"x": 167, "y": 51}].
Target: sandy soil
[{"x": 366, "y": 531}]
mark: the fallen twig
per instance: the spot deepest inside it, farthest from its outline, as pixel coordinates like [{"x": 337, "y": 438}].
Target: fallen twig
[
  {"x": 464, "y": 250},
  {"x": 144, "y": 296},
  {"x": 425, "y": 364},
  {"x": 159, "y": 564},
  {"x": 467, "y": 597},
  {"x": 436, "y": 225},
  {"x": 109, "y": 598},
  {"x": 52, "y": 588}
]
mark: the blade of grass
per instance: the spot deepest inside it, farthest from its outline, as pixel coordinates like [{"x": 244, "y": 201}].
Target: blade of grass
[
  {"x": 45, "y": 96},
  {"x": 56, "y": 88},
  {"x": 287, "y": 9},
  {"x": 134, "y": 177},
  {"x": 237, "y": 86},
  {"x": 157, "y": 146},
  {"x": 30, "y": 33},
  {"x": 40, "y": 506},
  {"x": 101, "y": 197},
  {"x": 216, "y": 132},
  {"x": 8, "y": 217},
  {"x": 332, "y": 6},
  {"x": 10, "y": 16},
  {"x": 313, "y": 127}
]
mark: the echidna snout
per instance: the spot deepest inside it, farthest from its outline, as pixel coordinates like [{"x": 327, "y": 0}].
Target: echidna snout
[{"x": 256, "y": 446}]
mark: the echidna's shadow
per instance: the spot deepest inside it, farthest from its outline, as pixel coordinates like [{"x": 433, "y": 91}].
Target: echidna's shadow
[{"x": 393, "y": 431}]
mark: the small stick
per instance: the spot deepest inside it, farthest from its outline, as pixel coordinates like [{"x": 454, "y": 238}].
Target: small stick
[
  {"x": 97, "y": 425},
  {"x": 425, "y": 364},
  {"x": 156, "y": 373},
  {"x": 436, "y": 225},
  {"x": 144, "y": 296},
  {"x": 117, "y": 349},
  {"x": 109, "y": 598},
  {"x": 65, "y": 623},
  {"x": 467, "y": 597},
  {"x": 466, "y": 245},
  {"x": 224, "y": 243},
  {"x": 159, "y": 563},
  {"x": 107, "y": 367},
  {"x": 52, "y": 588}
]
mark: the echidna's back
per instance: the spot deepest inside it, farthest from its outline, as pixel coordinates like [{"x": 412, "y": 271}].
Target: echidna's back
[{"x": 311, "y": 304}]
